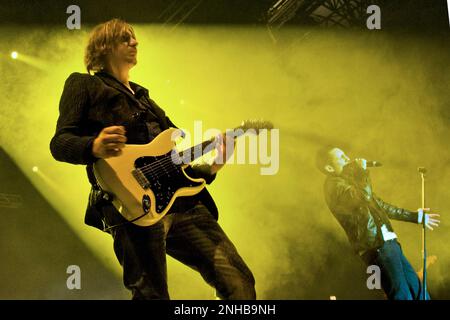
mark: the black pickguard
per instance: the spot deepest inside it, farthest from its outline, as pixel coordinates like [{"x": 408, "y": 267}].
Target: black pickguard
[{"x": 164, "y": 178}]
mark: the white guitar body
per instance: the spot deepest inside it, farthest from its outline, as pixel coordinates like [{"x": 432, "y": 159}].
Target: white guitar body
[{"x": 115, "y": 176}]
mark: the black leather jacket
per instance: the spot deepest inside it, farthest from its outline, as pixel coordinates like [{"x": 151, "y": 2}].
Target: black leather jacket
[
  {"x": 359, "y": 211},
  {"x": 90, "y": 103}
]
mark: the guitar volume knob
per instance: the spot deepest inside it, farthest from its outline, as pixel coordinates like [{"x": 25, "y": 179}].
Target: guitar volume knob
[{"x": 146, "y": 203}]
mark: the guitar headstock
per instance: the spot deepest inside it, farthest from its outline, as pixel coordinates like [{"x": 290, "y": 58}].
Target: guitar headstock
[{"x": 255, "y": 125}]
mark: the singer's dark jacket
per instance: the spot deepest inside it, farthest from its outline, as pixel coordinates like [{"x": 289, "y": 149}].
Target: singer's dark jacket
[
  {"x": 359, "y": 211},
  {"x": 90, "y": 103}
]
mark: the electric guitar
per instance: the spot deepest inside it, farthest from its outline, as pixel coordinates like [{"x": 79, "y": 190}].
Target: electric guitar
[{"x": 145, "y": 180}]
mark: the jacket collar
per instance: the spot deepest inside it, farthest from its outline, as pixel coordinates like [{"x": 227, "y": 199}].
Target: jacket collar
[
  {"x": 113, "y": 82},
  {"x": 138, "y": 90}
]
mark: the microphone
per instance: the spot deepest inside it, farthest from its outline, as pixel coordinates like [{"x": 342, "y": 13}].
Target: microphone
[
  {"x": 372, "y": 163},
  {"x": 422, "y": 170}
]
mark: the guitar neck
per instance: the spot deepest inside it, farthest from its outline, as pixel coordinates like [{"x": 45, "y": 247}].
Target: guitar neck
[{"x": 200, "y": 149}]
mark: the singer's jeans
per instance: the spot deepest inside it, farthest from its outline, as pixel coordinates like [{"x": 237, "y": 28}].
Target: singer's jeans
[
  {"x": 398, "y": 278},
  {"x": 193, "y": 237}
]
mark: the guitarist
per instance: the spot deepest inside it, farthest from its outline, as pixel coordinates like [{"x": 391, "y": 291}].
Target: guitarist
[{"x": 99, "y": 113}]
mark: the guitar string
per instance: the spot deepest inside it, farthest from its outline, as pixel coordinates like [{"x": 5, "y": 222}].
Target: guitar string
[
  {"x": 161, "y": 170},
  {"x": 183, "y": 152},
  {"x": 160, "y": 167},
  {"x": 208, "y": 142},
  {"x": 160, "y": 164},
  {"x": 190, "y": 150},
  {"x": 166, "y": 166}
]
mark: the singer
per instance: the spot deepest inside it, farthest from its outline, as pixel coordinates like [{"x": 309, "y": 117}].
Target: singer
[{"x": 365, "y": 219}]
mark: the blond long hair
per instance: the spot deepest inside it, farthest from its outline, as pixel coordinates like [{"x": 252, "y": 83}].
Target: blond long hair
[{"x": 102, "y": 40}]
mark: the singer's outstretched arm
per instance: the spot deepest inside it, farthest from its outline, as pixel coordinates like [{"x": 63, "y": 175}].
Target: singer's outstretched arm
[{"x": 396, "y": 213}]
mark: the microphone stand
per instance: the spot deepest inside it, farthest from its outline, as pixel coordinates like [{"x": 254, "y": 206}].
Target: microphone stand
[{"x": 422, "y": 172}]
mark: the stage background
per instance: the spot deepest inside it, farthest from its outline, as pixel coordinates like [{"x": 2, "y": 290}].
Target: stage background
[{"x": 378, "y": 95}]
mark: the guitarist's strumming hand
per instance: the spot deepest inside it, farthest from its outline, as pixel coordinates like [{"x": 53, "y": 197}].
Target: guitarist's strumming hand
[
  {"x": 109, "y": 142},
  {"x": 222, "y": 154}
]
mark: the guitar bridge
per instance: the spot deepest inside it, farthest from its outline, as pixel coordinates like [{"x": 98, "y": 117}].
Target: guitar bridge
[{"x": 140, "y": 178}]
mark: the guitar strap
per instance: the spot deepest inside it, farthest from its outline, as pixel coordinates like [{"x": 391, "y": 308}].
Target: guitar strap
[{"x": 107, "y": 229}]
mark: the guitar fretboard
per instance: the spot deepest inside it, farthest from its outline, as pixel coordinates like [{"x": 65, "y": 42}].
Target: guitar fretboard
[{"x": 195, "y": 152}]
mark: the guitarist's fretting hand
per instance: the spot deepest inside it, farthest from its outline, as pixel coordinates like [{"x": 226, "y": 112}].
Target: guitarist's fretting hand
[
  {"x": 222, "y": 156},
  {"x": 109, "y": 142}
]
